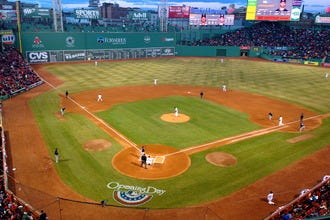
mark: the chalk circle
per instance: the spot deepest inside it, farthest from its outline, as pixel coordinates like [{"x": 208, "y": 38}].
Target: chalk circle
[
  {"x": 97, "y": 145},
  {"x": 170, "y": 117},
  {"x": 221, "y": 159}
]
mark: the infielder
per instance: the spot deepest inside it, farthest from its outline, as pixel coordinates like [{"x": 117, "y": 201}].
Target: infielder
[
  {"x": 280, "y": 121},
  {"x": 99, "y": 98}
]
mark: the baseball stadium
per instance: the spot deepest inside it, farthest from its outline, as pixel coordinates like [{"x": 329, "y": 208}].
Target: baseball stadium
[{"x": 141, "y": 118}]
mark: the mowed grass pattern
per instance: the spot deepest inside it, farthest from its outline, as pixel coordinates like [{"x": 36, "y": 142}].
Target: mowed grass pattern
[
  {"x": 303, "y": 85},
  {"x": 89, "y": 172},
  {"x": 140, "y": 121}
]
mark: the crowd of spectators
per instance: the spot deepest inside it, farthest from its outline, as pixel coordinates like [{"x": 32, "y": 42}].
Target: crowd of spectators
[
  {"x": 298, "y": 43},
  {"x": 310, "y": 204},
  {"x": 15, "y": 73}
]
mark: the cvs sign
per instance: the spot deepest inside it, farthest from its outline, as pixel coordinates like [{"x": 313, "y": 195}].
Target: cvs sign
[{"x": 38, "y": 57}]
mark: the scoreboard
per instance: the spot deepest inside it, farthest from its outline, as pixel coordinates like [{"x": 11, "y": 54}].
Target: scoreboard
[{"x": 273, "y": 10}]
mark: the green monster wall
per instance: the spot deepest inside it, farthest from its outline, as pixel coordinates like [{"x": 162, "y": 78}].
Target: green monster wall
[{"x": 61, "y": 47}]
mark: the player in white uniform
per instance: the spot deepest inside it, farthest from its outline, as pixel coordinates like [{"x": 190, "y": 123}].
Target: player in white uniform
[
  {"x": 99, "y": 98},
  {"x": 280, "y": 121},
  {"x": 224, "y": 88},
  {"x": 176, "y": 112}
]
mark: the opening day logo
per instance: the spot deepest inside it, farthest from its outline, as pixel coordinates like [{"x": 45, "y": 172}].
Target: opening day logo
[{"x": 129, "y": 195}]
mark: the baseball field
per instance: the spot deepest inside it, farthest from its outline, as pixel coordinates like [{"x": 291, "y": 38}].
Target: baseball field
[{"x": 220, "y": 154}]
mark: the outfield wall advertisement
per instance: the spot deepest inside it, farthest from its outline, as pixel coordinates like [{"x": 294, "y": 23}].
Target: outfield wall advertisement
[
  {"x": 57, "y": 47},
  {"x": 94, "y": 41},
  {"x": 88, "y": 55}
]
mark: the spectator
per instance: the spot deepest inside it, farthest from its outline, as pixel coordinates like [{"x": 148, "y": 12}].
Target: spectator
[{"x": 16, "y": 75}]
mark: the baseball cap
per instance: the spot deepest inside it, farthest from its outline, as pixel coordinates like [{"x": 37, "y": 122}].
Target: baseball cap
[{"x": 283, "y": 1}]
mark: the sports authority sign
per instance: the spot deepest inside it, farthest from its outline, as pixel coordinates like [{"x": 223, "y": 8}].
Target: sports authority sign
[{"x": 129, "y": 195}]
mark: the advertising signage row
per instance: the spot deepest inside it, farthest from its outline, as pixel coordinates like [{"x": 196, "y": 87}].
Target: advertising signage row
[
  {"x": 95, "y": 41},
  {"x": 187, "y": 11},
  {"x": 89, "y": 55}
]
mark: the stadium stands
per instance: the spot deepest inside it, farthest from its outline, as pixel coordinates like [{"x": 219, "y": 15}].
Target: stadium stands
[
  {"x": 16, "y": 75},
  {"x": 311, "y": 203},
  {"x": 278, "y": 39}
]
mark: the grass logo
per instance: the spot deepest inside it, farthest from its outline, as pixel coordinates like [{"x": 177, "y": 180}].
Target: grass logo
[
  {"x": 131, "y": 198},
  {"x": 133, "y": 195}
]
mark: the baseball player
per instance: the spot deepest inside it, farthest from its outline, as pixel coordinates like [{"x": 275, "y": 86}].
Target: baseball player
[
  {"x": 144, "y": 161},
  {"x": 270, "y": 198},
  {"x": 224, "y": 88},
  {"x": 270, "y": 116},
  {"x": 56, "y": 154},
  {"x": 176, "y": 112},
  {"x": 301, "y": 127},
  {"x": 280, "y": 121},
  {"x": 99, "y": 98},
  {"x": 62, "y": 111},
  {"x": 301, "y": 117}
]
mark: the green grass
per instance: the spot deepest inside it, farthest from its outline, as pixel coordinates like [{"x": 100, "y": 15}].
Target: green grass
[
  {"x": 89, "y": 172},
  {"x": 208, "y": 121}
]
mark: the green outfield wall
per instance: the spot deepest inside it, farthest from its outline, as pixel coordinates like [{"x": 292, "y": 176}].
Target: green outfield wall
[
  {"x": 57, "y": 47},
  {"x": 209, "y": 51},
  {"x": 68, "y": 47}
]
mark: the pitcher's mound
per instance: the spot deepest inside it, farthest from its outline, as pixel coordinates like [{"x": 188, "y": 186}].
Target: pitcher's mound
[
  {"x": 221, "y": 159},
  {"x": 170, "y": 117}
]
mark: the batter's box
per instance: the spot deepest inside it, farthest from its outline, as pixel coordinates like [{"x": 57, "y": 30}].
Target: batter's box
[{"x": 159, "y": 159}]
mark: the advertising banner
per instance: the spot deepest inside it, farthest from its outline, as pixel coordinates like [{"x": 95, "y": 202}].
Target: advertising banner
[
  {"x": 178, "y": 11},
  {"x": 36, "y": 12},
  {"x": 86, "y": 13},
  {"x": 38, "y": 57}
]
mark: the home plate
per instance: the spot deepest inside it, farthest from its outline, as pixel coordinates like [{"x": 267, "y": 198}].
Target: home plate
[{"x": 159, "y": 159}]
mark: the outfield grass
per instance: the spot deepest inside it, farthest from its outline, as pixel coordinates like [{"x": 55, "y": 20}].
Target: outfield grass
[{"x": 89, "y": 172}]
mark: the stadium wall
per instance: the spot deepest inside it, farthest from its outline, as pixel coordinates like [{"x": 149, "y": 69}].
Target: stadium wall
[
  {"x": 64, "y": 47},
  {"x": 57, "y": 47},
  {"x": 70, "y": 46}
]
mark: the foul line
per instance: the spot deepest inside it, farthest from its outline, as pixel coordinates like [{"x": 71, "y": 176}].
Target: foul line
[
  {"x": 95, "y": 117},
  {"x": 240, "y": 137}
]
